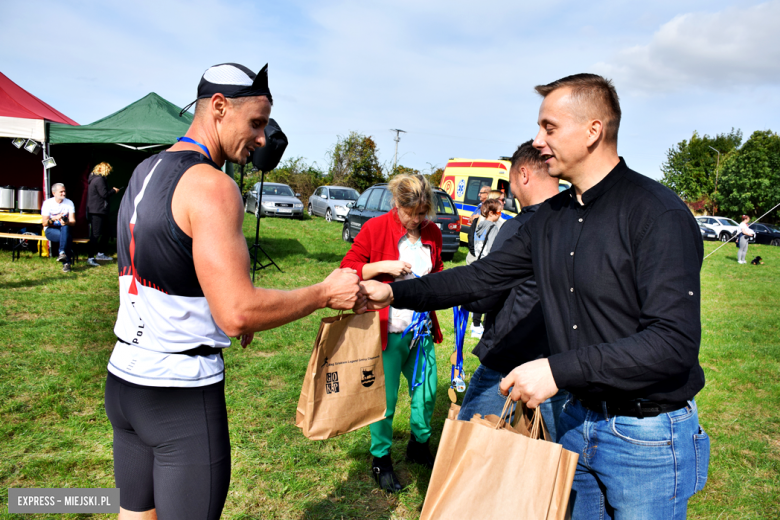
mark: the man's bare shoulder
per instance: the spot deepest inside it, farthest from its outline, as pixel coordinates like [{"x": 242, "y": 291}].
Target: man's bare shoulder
[{"x": 203, "y": 182}]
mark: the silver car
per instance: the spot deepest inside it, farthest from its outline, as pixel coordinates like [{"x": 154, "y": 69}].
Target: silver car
[
  {"x": 331, "y": 202},
  {"x": 278, "y": 201}
]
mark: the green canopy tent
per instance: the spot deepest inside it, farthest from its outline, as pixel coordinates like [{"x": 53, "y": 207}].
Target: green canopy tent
[{"x": 123, "y": 139}]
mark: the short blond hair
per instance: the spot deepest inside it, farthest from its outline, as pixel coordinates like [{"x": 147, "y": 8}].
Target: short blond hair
[
  {"x": 412, "y": 191},
  {"x": 102, "y": 169}
]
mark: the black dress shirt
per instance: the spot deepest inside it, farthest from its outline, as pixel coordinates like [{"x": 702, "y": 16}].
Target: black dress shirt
[
  {"x": 514, "y": 324},
  {"x": 618, "y": 278}
]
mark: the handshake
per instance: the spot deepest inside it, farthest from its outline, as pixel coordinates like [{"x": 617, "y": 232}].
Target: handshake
[{"x": 344, "y": 291}]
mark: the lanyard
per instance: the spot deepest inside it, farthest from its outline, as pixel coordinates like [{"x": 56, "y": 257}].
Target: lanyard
[
  {"x": 461, "y": 317},
  {"x": 193, "y": 141},
  {"x": 421, "y": 327}
]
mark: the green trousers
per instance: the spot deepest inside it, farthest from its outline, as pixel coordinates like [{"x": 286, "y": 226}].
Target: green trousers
[{"x": 398, "y": 359}]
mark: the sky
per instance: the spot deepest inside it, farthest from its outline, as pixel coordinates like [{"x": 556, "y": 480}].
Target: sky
[{"x": 457, "y": 76}]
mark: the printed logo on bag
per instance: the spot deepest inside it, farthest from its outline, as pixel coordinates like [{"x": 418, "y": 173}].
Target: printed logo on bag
[
  {"x": 367, "y": 378},
  {"x": 332, "y": 383}
]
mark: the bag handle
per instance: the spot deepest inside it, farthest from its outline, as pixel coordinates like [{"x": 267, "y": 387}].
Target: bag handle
[{"x": 509, "y": 406}]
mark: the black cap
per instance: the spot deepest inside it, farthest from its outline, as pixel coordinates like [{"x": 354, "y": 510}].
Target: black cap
[{"x": 232, "y": 81}]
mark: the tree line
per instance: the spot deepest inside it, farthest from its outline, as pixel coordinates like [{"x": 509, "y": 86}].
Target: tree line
[
  {"x": 722, "y": 176},
  {"x": 352, "y": 162}
]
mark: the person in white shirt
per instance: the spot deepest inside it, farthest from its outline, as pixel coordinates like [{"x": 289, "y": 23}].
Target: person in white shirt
[
  {"x": 58, "y": 216},
  {"x": 745, "y": 232}
]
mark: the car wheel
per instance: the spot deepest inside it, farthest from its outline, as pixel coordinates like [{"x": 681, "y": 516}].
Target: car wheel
[
  {"x": 311, "y": 213},
  {"x": 246, "y": 206},
  {"x": 724, "y": 237},
  {"x": 447, "y": 257},
  {"x": 345, "y": 233},
  {"x": 328, "y": 216},
  {"x": 257, "y": 211},
  {"x": 775, "y": 242}
]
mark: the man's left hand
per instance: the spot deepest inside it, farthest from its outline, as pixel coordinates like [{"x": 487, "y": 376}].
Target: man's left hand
[{"x": 531, "y": 382}]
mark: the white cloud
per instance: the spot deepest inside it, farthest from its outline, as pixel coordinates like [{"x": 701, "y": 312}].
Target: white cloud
[{"x": 711, "y": 51}]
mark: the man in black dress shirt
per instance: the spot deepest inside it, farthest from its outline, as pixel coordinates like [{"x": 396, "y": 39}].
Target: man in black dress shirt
[
  {"x": 514, "y": 325},
  {"x": 616, "y": 259}
]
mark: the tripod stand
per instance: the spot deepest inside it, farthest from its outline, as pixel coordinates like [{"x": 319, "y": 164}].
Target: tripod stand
[{"x": 256, "y": 249}]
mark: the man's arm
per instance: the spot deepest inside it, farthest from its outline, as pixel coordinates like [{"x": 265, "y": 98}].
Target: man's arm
[
  {"x": 498, "y": 272},
  {"x": 207, "y": 206}
]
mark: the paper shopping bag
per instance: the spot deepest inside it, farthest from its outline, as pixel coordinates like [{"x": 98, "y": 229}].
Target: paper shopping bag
[
  {"x": 344, "y": 386},
  {"x": 483, "y": 469}
]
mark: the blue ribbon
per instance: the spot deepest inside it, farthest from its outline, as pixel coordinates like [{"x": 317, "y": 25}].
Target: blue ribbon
[
  {"x": 193, "y": 141},
  {"x": 421, "y": 326},
  {"x": 461, "y": 317}
]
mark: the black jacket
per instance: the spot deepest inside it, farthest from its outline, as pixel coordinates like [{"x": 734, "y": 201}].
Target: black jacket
[
  {"x": 98, "y": 195},
  {"x": 514, "y": 323}
]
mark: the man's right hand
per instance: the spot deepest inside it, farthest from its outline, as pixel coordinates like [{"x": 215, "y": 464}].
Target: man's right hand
[
  {"x": 341, "y": 289},
  {"x": 378, "y": 295}
]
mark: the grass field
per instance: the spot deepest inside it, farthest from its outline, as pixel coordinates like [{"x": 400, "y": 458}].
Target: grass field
[{"x": 56, "y": 337}]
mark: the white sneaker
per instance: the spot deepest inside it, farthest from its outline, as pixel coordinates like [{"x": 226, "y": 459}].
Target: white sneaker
[
  {"x": 92, "y": 262},
  {"x": 476, "y": 332},
  {"x": 103, "y": 258}
]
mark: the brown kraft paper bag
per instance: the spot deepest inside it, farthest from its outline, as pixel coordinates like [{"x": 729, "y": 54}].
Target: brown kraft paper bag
[
  {"x": 344, "y": 386},
  {"x": 486, "y": 468}
]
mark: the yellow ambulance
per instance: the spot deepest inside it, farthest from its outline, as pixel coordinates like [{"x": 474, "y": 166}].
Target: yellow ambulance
[{"x": 463, "y": 178}]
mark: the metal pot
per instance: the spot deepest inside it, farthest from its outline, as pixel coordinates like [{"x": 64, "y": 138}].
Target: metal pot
[
  {"x": 29, "y": 199},
  {"x": 7, "y": 198}
]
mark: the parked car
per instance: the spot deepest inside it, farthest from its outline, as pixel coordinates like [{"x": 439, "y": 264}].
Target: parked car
[
  {"x": 724, "y": 227},
  {"x": 765, "y": 234},
  {"x": 331, "y": 202},
  {"x": 278, "y": 201},
  {"x": 707, "y": 233},
  {"x": 378, "y": 200}
]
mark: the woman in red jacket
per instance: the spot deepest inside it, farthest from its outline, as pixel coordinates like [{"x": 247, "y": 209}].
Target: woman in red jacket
[{"x": 398, "y": 245}]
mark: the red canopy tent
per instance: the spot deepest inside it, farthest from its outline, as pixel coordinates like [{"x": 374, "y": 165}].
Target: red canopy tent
[{"x": 23, "y": 115}]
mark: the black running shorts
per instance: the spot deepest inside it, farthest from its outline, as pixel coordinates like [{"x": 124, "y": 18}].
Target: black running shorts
[{"x": 171, "y": 448}]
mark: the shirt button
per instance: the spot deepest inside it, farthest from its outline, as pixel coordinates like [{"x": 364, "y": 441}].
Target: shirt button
[
  {"x": 572, "y": 289},
  {"x": 574, "y": 327},
  {"x": 580, "y": 220},
  {"x": 571, "y": 254}
]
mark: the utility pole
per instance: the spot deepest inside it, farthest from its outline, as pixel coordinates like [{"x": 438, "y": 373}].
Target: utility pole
[
  {"x": 717, "y": 169},
  {"x": 397, "y": 140}
]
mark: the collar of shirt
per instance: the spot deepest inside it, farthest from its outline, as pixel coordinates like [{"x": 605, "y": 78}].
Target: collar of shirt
[{"x": 603, "y": 186}]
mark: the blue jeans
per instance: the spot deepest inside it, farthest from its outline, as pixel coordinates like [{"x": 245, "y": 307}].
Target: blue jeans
[
  {"x": 62, "y": 236},
  {"x": 483, "y": 397},
  {"x": 632, "y": 468}
]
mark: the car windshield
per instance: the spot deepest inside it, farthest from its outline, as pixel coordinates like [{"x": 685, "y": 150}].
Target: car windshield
[
  {"x": 283, "y": 191},
  {"x": 727, "y": 222},
  {"x": 343, "y": 194},
  {"x": 443, "y": 204}
]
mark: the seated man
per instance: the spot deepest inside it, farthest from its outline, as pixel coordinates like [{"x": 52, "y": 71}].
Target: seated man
[
  {"x": 514, "y": 324},
  {"x": 58, "y": 215}
]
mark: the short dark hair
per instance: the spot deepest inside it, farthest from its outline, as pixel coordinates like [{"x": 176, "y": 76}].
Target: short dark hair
[
  {"x": 526, "y": 154},
  {"x": 595, "y": 92}
]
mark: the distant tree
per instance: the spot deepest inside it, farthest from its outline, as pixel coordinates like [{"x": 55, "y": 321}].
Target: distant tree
[
  {"x": 303, "y": 178},
  {"x": 354, "y": 162},
  {"x": 435, "y": 176},
  {"x": 750, "y": 177},
  {"x": 402, "y": 169},
  {"x": 690, "y": 169}
]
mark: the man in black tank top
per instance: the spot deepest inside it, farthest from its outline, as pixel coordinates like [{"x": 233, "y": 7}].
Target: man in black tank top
[{"x": 184, "y": 290}]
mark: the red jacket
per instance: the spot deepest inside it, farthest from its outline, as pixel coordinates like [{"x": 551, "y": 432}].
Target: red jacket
[{"x": 378, "y": 240}]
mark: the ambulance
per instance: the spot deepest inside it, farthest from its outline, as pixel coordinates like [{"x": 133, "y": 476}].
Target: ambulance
[{"x": 463, "y": 178}]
